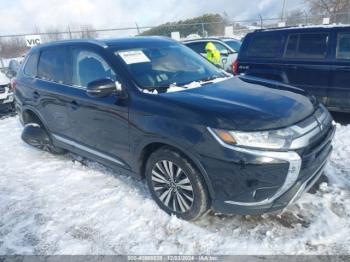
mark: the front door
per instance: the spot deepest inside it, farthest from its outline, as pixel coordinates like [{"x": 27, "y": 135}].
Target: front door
[{"x": 100, "y": 125}]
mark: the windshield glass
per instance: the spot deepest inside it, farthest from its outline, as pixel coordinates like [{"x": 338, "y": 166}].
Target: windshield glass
[
  {"x": 163, "y": 66},
  {"x": 235, "y": 45}
]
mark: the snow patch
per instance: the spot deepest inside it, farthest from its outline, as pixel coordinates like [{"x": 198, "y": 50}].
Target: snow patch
[{"x": 65, "y": 205}]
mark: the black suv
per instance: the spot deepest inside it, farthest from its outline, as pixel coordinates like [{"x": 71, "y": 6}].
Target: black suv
[
  {"x": 151, "y": 107},
  {"x": 316, "y": 59}
]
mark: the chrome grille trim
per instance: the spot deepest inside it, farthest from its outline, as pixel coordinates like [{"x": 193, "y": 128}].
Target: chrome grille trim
[{"x": 322, "y": 119}]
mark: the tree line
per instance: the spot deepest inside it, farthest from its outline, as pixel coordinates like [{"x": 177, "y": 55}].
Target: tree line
[
  {"x": 16, "y": 46},
  {"x": 209, "y": 24}
]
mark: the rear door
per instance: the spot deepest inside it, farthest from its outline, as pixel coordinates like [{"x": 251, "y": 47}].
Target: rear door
[
  {"x": 339, "y": 93},
  {"x": 306, "y": 62},
  {"x": 51, "y": 89},
  {"x": 227, "y": 57}
]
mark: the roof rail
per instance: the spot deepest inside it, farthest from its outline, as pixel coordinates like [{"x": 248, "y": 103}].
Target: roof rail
[
  {"x": 91, "y": 41},
  {"x": 97, "y": 42},
  {"x": 273, "y": 28}
]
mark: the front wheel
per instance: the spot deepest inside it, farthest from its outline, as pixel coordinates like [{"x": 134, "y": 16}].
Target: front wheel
[{"x": 176, "y": 185}]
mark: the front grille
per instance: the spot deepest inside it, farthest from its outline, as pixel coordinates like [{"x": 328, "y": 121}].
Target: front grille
[{"x": 2, "y": 89}]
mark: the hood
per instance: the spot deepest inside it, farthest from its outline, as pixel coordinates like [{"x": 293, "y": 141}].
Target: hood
[{"x": 246, "y": 104}]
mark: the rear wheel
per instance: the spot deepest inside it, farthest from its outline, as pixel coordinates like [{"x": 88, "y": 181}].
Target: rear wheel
[
  {"x": 35, "y": 135},
  {"x": 176, "y": 185}
]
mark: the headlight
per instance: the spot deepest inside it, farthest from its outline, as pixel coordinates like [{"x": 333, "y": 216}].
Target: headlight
[{"x": 275, "y": 139}]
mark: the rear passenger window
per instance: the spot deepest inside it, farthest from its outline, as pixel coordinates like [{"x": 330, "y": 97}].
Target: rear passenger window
[
  {"x": 343, "y": 46},
  {"x": 30, "y": 68},
  {"x": 312, "y": 46},
  {"x": 53, "y": 64},
  {"x": 265, "y": 46},
  {"x": 307, "y": 46}
]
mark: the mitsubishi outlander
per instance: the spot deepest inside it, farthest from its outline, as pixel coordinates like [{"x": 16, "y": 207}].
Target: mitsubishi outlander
[{"x": 152, "y": 108}]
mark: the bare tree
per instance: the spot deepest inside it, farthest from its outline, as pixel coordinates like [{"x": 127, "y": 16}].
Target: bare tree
[
  {"x": 53, "y": 34},
  {"x": 12, "y": 47},
  {"x": 296, "y": 17},
  {"x": 337, "y": 10},
  {"x": 88, "y": 31}
]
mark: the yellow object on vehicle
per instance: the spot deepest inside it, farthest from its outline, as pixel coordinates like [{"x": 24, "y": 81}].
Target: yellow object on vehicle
[{"x": 213, "y": 54}]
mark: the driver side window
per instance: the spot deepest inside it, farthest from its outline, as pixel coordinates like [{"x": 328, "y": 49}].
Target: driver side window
[
  {"x": 221, "y": 48},
  {"x": 88, "y": 66}
]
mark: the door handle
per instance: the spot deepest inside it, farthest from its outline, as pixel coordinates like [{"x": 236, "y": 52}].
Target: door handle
[
  {"x": 74, "y": 105},
  {"x": 36, "y": 95},
  {"x": 292, "y": 67}
]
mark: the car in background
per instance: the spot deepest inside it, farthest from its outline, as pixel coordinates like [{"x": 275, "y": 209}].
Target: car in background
[
  {"x": 235, "y": 44},
  {"x": 316, "y": 59},
  {"x": 6, "y": 93},
  {"x": 152, "y": 108},
  {"x": 227, "y": 47}
]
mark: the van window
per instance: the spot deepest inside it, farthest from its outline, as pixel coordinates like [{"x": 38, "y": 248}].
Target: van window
[
  {"x": 343, "y": 46},
  {"x": 88, "y": 66},
  {"x": 307, "y": 46},
  {"x": 52, "y": 65},
  {"x": 291, "y": 47},
  {"x": 30, "y": 68},
  {"x": 265, "y": 46},
  {"x": 312, "y": 46}
]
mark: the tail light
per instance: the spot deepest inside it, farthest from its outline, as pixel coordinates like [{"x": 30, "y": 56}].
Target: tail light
[
  {"x": 13, "y": 84},
  {"x": 235, "y": 67}
]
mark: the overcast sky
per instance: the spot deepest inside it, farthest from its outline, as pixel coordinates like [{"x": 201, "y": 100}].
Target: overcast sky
[{"x": 21, "y": 16}]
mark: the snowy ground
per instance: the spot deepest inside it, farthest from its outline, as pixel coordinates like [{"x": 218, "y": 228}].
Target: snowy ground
[{"x": 55, "y": 205}]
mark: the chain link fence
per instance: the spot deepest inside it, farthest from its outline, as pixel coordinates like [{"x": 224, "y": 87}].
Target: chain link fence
[{"x": 14, "y": 45}]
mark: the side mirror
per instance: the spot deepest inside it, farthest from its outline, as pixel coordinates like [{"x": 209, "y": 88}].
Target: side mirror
[
  {"x": 224, "y": 52},
  {"x": 104, "y": 88}
]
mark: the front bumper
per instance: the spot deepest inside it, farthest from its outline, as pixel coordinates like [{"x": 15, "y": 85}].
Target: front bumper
[
  {"x": 258, "y": 186},
  {"x": 6, "y": 96}
]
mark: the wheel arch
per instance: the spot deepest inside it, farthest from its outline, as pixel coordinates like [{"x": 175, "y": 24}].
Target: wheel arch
[
  {"x": 150, "y": 147},
  {"x": 30, "y": 115}
]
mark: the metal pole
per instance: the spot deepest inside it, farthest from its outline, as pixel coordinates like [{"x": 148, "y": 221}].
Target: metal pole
[
  {"x": 70, "y": 33},
  {"x": 261, "y": 21},
  {"x": 306, "y": 18},
  {"x": 283, "y": 7},
  {"x": 137, "y": 27},
  {"x": 203, "y": 30}
]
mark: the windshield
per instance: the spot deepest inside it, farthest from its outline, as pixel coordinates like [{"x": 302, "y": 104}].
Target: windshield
[
  {"x": 235, "y": 45},
  {"x": 167, "y": 65}
]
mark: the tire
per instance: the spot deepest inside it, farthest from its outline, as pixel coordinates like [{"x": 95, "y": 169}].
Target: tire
[
  {"x": 36, "y": 136},
  {"x": 185, "y": 194}
]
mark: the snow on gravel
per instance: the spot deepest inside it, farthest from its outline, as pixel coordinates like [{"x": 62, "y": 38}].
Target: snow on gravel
[{"x": 55, "y": 205}]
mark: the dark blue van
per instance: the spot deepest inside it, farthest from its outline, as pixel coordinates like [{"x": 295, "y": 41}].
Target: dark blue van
[{"x": 316, "y": 59}]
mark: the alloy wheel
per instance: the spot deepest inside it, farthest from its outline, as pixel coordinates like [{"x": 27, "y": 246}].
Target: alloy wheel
[{"x": 172, "y": 186}]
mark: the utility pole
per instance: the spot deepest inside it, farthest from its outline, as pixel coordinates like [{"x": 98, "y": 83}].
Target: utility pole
[
  {"x": 283, "y": 8},
  {"x": 138, "y": 29}
]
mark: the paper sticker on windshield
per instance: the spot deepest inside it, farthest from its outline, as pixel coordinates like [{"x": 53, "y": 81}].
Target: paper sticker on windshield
[{"x": 134, "y": 57}]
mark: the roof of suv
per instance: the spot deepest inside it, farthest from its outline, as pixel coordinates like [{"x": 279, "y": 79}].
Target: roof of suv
[
  {"x": 309, "y": 27},
  {"x": 105, "y": 43}
]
